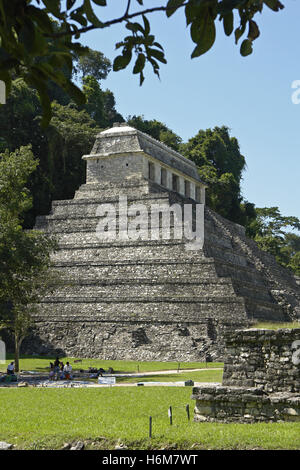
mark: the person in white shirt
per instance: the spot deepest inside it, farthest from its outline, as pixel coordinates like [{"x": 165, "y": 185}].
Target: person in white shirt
[
  {"x": 11, "y": 368},
  {"x": 68, "y": 371}
]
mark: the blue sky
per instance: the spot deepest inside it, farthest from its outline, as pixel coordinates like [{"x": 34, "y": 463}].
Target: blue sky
[{"x": 252, "y": 95}]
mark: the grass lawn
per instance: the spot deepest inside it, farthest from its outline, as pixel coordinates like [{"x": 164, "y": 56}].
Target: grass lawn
[
  {"x": 41, "y": 418},
  {"x": 210, "y": 375},
  {"x": 41, "y": 364},
  {"x": 34, "y": 418}
]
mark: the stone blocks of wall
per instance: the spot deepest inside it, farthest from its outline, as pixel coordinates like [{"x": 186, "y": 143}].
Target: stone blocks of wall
[
  {"x": 131, "y": 340},
  {"x": 245, "y": 405},
  {"x": 262, "y": 358},
  {"x": 261, "y": 379}
]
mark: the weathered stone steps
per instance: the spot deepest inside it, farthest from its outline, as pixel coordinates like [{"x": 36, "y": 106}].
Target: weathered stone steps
[
  {"x": 145, "y": 288},
  {"x": 257, "y": 309},
  {"x": 126, "y": 251},
  {"x": 195, "y": 269},
  {"x": 155, "y": 269},
  {"x": 155, "y": 285},
  {"x": 260, "y": 310},
  {"x": 152, "y": 309},
  {"x": 146, "y": 249},
  {"x": 254, "y": 291}
]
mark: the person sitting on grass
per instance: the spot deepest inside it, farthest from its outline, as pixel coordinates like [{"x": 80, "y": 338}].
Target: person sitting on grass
[
  {"x": 68, "y": 371},
  {"x": 11, "y": 368}
]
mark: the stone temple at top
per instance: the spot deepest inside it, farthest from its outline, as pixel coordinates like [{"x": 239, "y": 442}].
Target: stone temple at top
[
  {"x": 145, "y": 298},
  {"x": 123, "y": 153}
]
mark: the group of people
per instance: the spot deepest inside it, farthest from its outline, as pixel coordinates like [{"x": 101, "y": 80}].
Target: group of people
[{"x": 59, "y": 371}]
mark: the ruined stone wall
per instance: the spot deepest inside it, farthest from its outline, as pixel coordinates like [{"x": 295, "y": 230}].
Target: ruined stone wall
[
  {"x": 261, "y": 379},
  {"x": 263, "y": 358},
  {"x": 235, "y": 404}
]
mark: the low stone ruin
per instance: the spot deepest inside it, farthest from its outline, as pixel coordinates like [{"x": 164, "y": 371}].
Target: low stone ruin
[{"x": 261, "y": 380}]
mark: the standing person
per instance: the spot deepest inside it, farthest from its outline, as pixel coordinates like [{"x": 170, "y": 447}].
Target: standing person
[
  {"x": 11, "y": 368},
  {"x": 51, "y": 373},
  {"x": 68, "y": 371},
  {"x": 61, "y": 368},
  {"x": 56, "y": 368}
]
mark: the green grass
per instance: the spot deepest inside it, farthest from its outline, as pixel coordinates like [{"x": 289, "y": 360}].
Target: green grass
[
  {"x": 276, "y": 325},
  {"x": 41, "y": 418},
  {"x": 210, "y": 375},
  {"x": 47, "y": 418},
  {"x": 41, "y": 363}
]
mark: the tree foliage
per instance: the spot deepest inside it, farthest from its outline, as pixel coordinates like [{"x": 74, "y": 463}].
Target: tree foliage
[
  {"x": 59, "y": 148},
  {"x": 39, "y": 38},
  {"x": 93, "y": 63},
  {"x": 156, "y": 129},
  {"x": 24, "y": 255},
  {"x": 221, "y": 165},
  {"x": 100, "y": 104},
  {"x": 70, "y": 136},
  {"x": 269, "y": 230}
]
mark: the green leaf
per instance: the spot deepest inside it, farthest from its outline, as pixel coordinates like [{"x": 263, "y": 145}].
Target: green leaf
[
  {"x": 239, "y": 32},
  {"x": 228, "y": 23},
  {"x": 156, "y": 44},
  {"x": 70, "y": 4},
  {"x": 121, "y": 61},
  {"x": 41, "y": 18},
  {"x": 191, "y": 13},
  {"x": 101, "y": 3},
  {"x": 27, "y": 35},
  {"x": 154, "y": 65},
  {"x": 147, "y": 25},
  {"x": 134, "y": 27},
  {"x": 142, "y": 78},
  {"x": 253, "y": 30},
  {"x": 172, "y": 6},
  {"x": 275, "y": 5},
  {"x": 91, "y": 15},
  {"x": 204, "y": 33},
  {"x": 159, "y": 55},
  {"x": 139, "y": 64},
  {"x": 246, "y": 47},
  {"x": 78, "y": 16},
  {"x": 119, "y": 44},
  {"x": 53, "y": 6}
]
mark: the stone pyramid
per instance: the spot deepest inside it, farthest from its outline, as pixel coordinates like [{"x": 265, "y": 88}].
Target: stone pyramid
[{"x": 151, "y": 299}]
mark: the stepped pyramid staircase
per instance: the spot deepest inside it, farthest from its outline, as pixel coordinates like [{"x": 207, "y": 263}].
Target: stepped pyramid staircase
[{"x": 152, "y": 299}]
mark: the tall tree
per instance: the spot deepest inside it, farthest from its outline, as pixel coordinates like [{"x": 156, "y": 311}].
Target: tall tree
[
  {"x": 93, "y": 63},
  {"x": 221, "y": 165},
  {"x": 24, "y": 255},
  {"x": 59, "y": 148},
  {"x": 100, "y": 104},
  {"x": 70, "y": 136}
]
